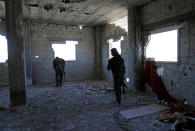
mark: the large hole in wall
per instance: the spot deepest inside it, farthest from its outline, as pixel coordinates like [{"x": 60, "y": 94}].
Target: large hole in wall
[
  {"x": 3, "y": 49},
  {"x": 163, "y": 46},
  {"x": 122, "y": 22},
  {"x": 115, "y": 44},
  {"x": 65, "y": 50}
]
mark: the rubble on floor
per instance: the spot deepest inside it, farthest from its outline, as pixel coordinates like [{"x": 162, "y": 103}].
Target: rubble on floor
[
  {"x": 70, "y": 108},
  {"x": 181, "y": 115}
]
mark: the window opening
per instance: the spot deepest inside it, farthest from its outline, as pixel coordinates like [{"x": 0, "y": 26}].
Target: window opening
[
  {"x": 163, "y": 46},
  {"x": 115, "y": 44},
  {"x": 65, "y": 50},
  {"x": 3, "y": 49}
]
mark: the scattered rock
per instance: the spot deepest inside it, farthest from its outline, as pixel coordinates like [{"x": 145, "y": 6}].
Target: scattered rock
[
  {"x": 103, "y": 91},
  {"x": 83, "y": 86},
  {"x": 54, "y": 98},
  {"x": 69, "y": 109},
  {"x": 109, "y": 90},
  {"x": 87, "y": 92},
  {"x": 157, "y": 125},
  {"x": 92, "y": 89}
]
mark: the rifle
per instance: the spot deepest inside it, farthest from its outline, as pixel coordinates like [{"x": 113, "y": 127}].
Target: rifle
[{"x": 124, "y": 85}]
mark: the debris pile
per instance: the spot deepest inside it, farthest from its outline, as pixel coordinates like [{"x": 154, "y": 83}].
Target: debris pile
[
  {"x": 182, "y": 116},
  {"x": 96, "y": 86}
]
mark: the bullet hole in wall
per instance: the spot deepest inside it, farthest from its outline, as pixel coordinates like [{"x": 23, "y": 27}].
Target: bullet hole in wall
[
  {"x": 62, "y": 9},
  {"x": 185, "y": 74},
  {"x": 48, "y": 7},
  {"x": 66, "y": 1},
  {"x": 170, "y": 7},
  {"x": 34, "y": 5},
  {"x": 87, "y": 13},
  {"x": 190, "y": 68}
]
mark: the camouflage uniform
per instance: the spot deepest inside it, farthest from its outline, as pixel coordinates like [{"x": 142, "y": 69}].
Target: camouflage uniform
[
  {"x": 116, "y": 64},
  {"x": 59, "y": 64}
]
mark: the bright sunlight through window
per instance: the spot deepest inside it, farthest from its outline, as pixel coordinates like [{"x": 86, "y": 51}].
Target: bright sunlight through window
[
  {"x": 67, "y": 50},
  {"x": 114, "y": 44},
  {"x": 163, "y": 46},
  {"x": 3, "y": 49}
]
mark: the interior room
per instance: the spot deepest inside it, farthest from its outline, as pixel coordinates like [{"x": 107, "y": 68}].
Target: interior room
[{"x": 97, "y": 65}]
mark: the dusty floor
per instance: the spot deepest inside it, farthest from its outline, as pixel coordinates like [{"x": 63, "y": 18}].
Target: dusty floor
[{"x": 78, "y": 106}]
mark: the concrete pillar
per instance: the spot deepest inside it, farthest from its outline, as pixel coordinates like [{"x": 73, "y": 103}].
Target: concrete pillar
[
  {"x": 98, "y": 52},
  {"x": 27, "y": 48},
  {"x": 139, "y": 52},
  {"x": 16, "y": 57},
  {"x": 136, "y": 48},
  {"x": 131, "y": 37}
]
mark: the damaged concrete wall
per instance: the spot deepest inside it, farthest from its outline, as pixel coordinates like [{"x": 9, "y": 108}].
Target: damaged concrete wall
[
  {"x": 160, "y": 10},
  {"x": 138, "y": 52},
  {"x": 136, "y": 55},
  {"x": 27, "y": 43},
  {"x": 42, "y": 37},
  {"x": 179, "y": 78},
  {"x": 127, "y": 54}
]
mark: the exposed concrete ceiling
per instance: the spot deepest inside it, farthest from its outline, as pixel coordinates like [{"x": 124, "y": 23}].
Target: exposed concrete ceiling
[{"x": 74, "y": 12}]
